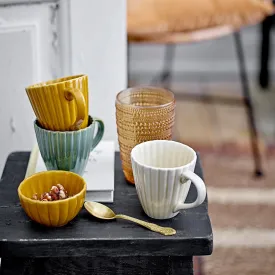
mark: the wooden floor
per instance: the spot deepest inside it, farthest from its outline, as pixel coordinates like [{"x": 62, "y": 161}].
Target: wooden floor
[{"x": 207, "y": 123}]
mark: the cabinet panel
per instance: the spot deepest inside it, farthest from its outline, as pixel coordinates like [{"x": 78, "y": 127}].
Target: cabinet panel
[{"x": 27, "y": 55}]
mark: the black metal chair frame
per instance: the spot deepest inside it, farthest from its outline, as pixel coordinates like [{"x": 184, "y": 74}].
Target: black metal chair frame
[
  {"x": 265, "y": 54},
  {"x": 165, "y": 78}
]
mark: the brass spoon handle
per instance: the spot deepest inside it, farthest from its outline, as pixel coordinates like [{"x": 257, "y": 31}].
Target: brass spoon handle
[{"x": 167, "y": 231}]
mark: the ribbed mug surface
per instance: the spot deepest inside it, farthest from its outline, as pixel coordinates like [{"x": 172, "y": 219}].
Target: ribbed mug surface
[
  {"x": 68, "y": 151},
  {"x": 61, "y": 104},
  {"x": 162, "y": 171}
]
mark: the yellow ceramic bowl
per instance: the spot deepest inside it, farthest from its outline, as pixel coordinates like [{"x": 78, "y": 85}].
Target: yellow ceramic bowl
[{"x": 52, "y": 213}]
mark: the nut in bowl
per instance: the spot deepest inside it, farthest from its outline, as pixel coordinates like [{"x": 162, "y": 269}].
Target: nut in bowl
[{"x": 52, "y": 198}]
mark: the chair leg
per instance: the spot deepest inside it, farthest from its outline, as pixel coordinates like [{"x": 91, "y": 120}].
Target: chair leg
[
  {"x": 128, "y": 63},
  {"x": 165, "y": 77},
  {"x": 265, "y": 52},
  {"x": 248, "y": 105}
]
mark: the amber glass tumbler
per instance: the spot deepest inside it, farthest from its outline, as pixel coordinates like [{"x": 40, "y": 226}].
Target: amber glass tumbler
[{"x": 142, "y": 114}]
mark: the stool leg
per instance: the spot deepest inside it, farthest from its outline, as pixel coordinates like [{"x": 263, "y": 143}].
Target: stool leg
[
  {"x": 165, "y": 77},
  {"x": 248, "y": 105}
]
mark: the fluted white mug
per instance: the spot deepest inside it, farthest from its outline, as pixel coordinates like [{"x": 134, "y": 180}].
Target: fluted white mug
[{"x": 163, "y": 171}]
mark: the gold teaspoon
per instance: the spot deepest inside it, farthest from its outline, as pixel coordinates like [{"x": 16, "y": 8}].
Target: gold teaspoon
[{"x": 103, "y": 212}]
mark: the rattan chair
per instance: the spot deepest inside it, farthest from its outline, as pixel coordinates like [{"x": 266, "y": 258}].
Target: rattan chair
[{"x": 170, "y": 22}]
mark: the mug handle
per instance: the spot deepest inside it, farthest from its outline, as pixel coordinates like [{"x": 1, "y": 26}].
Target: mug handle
[
  {"x": 100, "y": 132},
  {"x": 74, "y": 93},
  {"x": 201, "y": 190}
]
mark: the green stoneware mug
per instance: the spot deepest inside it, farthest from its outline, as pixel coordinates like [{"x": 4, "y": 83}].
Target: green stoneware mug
[{"x": 68, "y": 150}]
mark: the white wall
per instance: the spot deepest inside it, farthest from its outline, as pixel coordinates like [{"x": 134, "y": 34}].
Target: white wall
[{"x": 99, "y": 49}]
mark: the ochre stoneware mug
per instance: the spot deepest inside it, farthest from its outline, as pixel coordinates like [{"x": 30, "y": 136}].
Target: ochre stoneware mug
[{"x": 61, "y": 104}]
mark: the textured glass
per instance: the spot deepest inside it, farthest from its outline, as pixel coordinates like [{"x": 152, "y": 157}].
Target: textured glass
[{"x": 142, "y": 114}]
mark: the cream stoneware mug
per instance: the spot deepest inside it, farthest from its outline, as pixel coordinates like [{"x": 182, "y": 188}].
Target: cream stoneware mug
[{"x": 163, "y": 171}]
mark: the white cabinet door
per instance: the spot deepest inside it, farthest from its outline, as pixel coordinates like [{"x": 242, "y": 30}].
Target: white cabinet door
[{"x": 27, "y": 55}]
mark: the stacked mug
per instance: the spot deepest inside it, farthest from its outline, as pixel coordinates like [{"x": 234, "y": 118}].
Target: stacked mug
[{"x": 65, "y": 131}]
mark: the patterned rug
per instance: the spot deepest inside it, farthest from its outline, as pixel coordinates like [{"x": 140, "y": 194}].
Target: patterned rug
[
  {"x": 241, "y": 207},
  {"x": 242, "y": 210}
]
